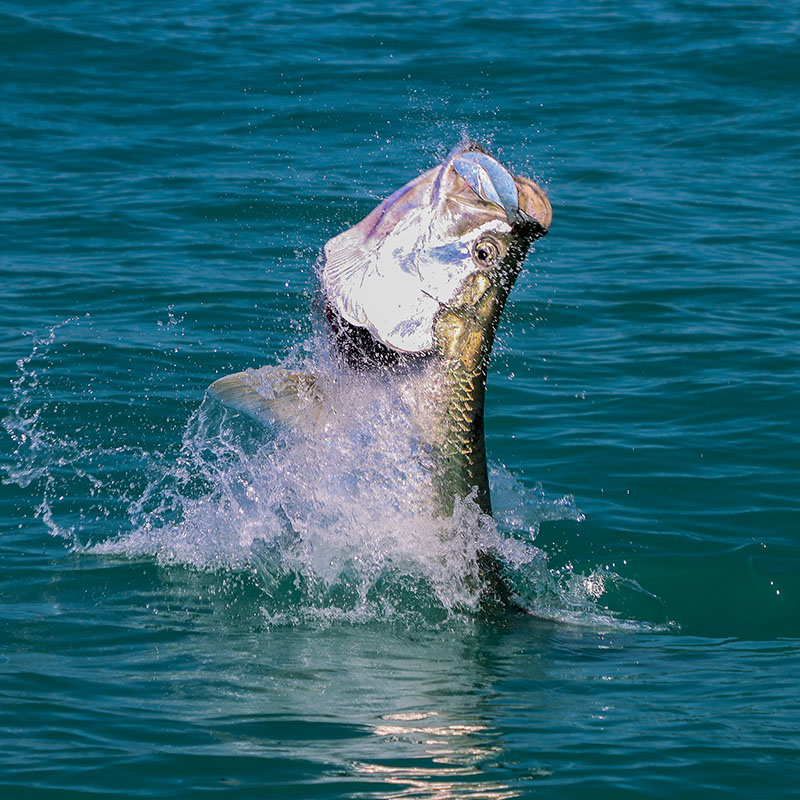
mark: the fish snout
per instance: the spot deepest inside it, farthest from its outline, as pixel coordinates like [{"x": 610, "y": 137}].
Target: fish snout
[{"x": 534, "y": 212}]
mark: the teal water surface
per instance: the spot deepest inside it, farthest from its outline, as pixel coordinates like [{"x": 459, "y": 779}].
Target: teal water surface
[{"x": 190, "y": 606}]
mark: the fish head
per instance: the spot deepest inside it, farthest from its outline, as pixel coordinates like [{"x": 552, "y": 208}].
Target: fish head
[{"x": 425, "y": 248}]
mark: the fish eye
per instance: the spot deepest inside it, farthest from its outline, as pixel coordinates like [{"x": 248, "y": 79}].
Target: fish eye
[{"x": 486, "y": 252}]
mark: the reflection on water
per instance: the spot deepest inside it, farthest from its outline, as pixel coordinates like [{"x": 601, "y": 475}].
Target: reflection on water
[
  {"x": 393, "y": 714},
  {"x": 454, "y": 752}
]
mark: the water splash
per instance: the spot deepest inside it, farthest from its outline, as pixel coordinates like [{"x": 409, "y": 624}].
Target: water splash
[
  {"x": 22, "y": 421},
  {"x": 325, "y": 525},
  {"x": 80, "y": 479}
]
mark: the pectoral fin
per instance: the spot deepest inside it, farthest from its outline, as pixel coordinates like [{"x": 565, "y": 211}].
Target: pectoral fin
[{"x": 272, "y": 395}]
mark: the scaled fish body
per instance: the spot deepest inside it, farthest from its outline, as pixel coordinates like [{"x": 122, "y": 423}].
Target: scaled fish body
[{"x": 415, "y": 292}]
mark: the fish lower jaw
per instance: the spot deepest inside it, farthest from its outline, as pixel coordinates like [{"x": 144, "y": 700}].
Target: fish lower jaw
[{"x": 471, "y": 292}]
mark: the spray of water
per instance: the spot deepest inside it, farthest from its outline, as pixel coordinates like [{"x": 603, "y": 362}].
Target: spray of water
[{"x": 330, "y": 521}]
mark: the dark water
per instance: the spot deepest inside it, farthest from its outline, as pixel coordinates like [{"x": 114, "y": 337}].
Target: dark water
[{"x": 168, "y": 175}]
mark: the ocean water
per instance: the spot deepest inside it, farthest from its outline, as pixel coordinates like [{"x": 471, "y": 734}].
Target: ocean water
[{"x": 193, "y": 604}]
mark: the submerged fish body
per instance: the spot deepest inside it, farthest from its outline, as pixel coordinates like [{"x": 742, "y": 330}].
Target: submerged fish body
[{"x": 412, "y": 296}]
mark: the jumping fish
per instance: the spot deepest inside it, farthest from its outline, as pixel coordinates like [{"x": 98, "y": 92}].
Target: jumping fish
[{"x": 415, "y": 292}]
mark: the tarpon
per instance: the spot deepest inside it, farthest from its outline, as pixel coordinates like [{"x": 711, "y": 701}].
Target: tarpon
[{"x": 415, "y": 292}]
